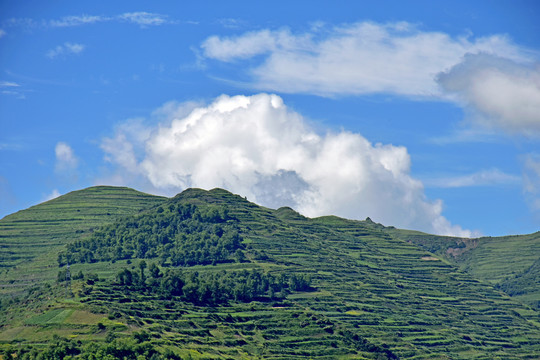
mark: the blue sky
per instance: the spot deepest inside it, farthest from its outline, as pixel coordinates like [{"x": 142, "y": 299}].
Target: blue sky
[{"x": 421, "y": 114}]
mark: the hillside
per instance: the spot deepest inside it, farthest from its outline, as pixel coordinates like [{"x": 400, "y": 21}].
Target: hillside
[
  {"x": 207, "y": 274},
  {"x": 30, "y": 239},
  {"x": 505, "y": 261}
]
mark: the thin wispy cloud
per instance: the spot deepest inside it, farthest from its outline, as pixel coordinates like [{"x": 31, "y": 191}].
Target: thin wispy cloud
[
  {"x": 490, "y": 177},
  {"x": 26, "y": 23},
  {"x": 467, "y": 135},
  {"x": 65, "y": 49},
  {"x": 144, "y": 18},
  {"x": 66, "y": 160},
  {"x": 9, "y": 84},
  {"x": 531, "y": 180},
  {"x": 77, "y": 20},
  {"x": 7, "y": 197},
  {"x": 11, "y": 88},
  {"x": 141, "y": 18},
  {"x": 2, "y": 33},
  {"x": 11, "y": 146},
  {"x": 231, "y": 23}
]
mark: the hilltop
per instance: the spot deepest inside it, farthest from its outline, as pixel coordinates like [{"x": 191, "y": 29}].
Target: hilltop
[
  {"x": 208, "y": 274},
  {"x": 31, "y": 238}
]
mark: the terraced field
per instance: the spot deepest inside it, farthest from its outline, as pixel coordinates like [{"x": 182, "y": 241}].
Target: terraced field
[
  {"x": 374, "y": 295},
  {"x": 31, "y": 239},
  {"x": 503, "y": 261}
]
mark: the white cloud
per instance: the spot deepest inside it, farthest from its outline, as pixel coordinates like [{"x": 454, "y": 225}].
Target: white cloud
[
  {"x": 123, "y": 147},
  {"x": 65, "y": 157},
  {"x": 11, "y": 88},
  {"x": 257, "y": 147},
  {"x": 8, "y": 84},
  {"x": 499, "y": 92},
  {"x": 467, "y": 135},
  {"x": 141, "y": 18},
  {"x": 491, "y": 177},
  {"x": 531, "y": 180},
  {"x": 74, "y": 48},
  {"x": 2, "y": 33},
  {"x": 65, "y": 49},
  {"x": 20, "y": 22},
  {"x": 77, "y": 20},
  {"x": 144, "y": 18},
  {"x": 231, "y": 23},
  {"x": 53, "y": 195},
  {"x": 245, "y": 46},
  {"x": 355, "y": 59}
]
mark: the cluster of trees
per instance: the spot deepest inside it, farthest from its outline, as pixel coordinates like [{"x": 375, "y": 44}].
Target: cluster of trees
[
  {"x": 210, "y": 288},
  {"x": 60, "y": 349},
  {"x": 178, "y": 234}
]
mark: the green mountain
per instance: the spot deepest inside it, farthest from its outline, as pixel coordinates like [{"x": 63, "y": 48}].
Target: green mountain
[
  {"x": 31, "y": 239},
  {"x": 508, "y": 262},
  {"x": 209, "y": 275}
]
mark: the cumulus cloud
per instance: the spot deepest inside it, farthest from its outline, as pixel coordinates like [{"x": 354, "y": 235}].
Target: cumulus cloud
[
  {"x": 65, "y": 49},
  {"x": 490, "y": 177},
  {"x": 257, "y": 147},
  {"x": 65, "y": 157},
  {"x": 499, "y": 92},
  {"x": 354, "y": 59},
  {"x": 123, "y": 148}
]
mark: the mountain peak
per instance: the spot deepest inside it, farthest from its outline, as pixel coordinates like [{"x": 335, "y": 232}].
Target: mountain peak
[{"x": 214, "y": 196}]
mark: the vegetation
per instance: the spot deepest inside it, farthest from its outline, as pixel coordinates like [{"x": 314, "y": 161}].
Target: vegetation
[
  {"x": 209, "y": 275},
  {"x": 62, "y": 348},
  {"x": 508, "y": 262},
  {"x": 209, "y": 288},
  {"x": 182, "y": 235},
  {"x": 30, "y": 239}
]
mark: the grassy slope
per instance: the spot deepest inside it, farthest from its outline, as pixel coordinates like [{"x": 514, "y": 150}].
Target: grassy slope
[
  {"x": 388, "y": 290},
  {"x": 525, "y": 285},
  {"x": 30, "y": 239},
  {"x": 370, "y": 283},
  {"x": 494, "y": 259}
]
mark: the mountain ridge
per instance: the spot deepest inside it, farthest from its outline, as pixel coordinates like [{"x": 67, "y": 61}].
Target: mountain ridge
[{"x": 375, "y": 292}]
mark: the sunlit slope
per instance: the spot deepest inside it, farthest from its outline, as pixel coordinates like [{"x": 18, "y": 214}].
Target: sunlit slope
[
  {"x": 373, "y": 295},
  {"x": 502, "y": 260},
  {"x": 31, "y": 238},
  {"x": 386, "y": 289}
]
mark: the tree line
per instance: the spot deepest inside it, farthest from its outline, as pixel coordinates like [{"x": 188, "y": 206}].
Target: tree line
[
  {"x": 210, "y": 288},
  {"x": 62, "y": 349}
]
